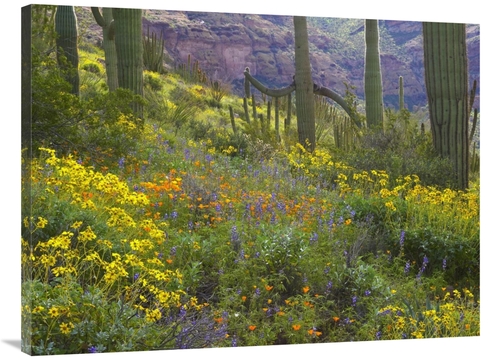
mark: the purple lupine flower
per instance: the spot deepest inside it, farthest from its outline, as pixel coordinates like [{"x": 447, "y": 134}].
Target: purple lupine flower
[
  {"x": 402, "y": 238},
  {"x": 257, "y": 291},
  {"x": 385, "y": 312},
  {"x": 314, "y": 238},
  {"x": 234, "y": 234},
  {"x": 354, "y": 300},
  {"x": 121, "y": 162},
  {"x": 444, "y": 264},
  {"x": 367, "y": 292},
  {"x": 234, "y": 342},
  {"x": 136, "y": 276},
  {"x": 407, "y": 267},
  {"x": 92, "y": 349},
  {"x": 174, "y": 215},
  {"x": 378, "y": 335},
  {"x": 173, "y": 250}
]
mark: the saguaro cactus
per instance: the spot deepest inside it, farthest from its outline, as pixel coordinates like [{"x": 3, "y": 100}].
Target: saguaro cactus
[
  {"x": 105, "y": 20},
  {"x": 129, "y": 51},
  {"x": 304, "y": 92},
  {"x": 66, "y": 42},
  {"x": 446, "y": 80},
  {"x": 373, "y": 76},
  {"x": 153, "y": 52}
]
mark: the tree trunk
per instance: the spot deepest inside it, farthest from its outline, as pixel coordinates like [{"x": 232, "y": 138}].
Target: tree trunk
[
  {"x": 373, "y": 76},
  {"x": 446, "y": 80},
  {"x": 304, "y": 86}
]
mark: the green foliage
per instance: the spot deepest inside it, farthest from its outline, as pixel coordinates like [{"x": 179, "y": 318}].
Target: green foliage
[
  {"x": 100, "y": 124},
  {"x": 56, "y": 112},
  {"x": 152, "y": 81},
  {"x": 176, "y": 113},
  {"x": 399, "y": 150},
  {"x": 216, "y": 92},
  {"x": 178, "y": 232}
]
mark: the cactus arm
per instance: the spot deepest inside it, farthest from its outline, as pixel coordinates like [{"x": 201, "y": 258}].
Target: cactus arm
[
  {"x": 106, "y": 22},
  {"x": 99, "y": 19},
  {"x": 320, "y": 90},
  {"x": 269, "y": 92}
]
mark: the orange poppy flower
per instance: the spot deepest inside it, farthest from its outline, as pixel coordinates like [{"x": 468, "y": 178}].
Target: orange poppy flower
[
  {"x": 244, "y": 298},
  {"x": 218, "y": 320},
  {"x": 296, "y": 327},
  {"x": 252, "y": 327},
  {"x": 305, "y": 289},
  {"x": 336, "y": 318},
  {"x": 269, "y": 287}
]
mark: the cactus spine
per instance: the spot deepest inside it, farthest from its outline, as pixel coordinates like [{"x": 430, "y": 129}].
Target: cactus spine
[
  {"x": 67, "y": 47},
  {"x": 129, "y": 51},
  {"x": 446, "y": 80},
  {"x": 373, "y": 76},
  {"x": 105, "y": 20}
]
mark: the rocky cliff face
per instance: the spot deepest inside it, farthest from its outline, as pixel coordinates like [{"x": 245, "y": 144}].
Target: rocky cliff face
[{"x": 224, "y": 44}]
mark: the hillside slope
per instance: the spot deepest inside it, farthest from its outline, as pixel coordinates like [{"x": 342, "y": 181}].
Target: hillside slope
[{"x": 226, "y": 43}]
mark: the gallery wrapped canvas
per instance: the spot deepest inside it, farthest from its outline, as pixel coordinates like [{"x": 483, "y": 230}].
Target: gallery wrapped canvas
[{"x": 208, "y": 180}]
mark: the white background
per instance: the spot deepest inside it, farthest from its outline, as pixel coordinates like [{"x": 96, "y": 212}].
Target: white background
[{"x": 478, "y": 12}]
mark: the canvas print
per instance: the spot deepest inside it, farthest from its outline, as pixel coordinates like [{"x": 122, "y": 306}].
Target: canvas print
[{"x": 207, "y": 180}]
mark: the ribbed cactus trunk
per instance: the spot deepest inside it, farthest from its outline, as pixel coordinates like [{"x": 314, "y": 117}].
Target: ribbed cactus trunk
[
  {"x": 446, "y": 80},
  {"x": 129, "y": 51},
  {"x": 67, "y": 44},
  {"x": 105, "y": 20},
  {"x": 373, "y": 76},
  {"x": 304, "y": 95}
]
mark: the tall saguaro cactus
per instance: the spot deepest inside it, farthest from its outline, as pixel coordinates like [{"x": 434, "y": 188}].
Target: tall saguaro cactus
[
  {"x": 446, "y": 80},
  {"x": 129, "y": 51},
  {"x": 105, "y": 20},
  {"x": 66, "y": 42},
  {"x": 304, "y": 91},
  {"x": 373, "y": 76}
]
